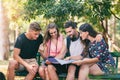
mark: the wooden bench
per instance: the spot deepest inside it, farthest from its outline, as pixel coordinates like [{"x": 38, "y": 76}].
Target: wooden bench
[{"x": 115, "y": 76}]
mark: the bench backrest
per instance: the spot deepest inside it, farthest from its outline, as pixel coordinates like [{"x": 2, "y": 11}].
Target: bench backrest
[{"x": 38, "y": 58}]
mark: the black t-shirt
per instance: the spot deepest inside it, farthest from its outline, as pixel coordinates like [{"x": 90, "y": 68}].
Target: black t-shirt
[{"x": 28, "y": 48}]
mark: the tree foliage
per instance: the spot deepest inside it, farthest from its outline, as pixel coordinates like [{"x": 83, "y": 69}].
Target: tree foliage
[
  {"x": 15, "y": 12},
  {"x": 96, "y": 12},
  {"x": 64, "y": 9},
  {"x": 93, "y": 11}
]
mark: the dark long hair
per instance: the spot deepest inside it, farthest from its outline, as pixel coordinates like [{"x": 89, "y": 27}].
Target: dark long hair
[
  {"x": 47, "y": 34},
  {"x": 87, "y": 27}
]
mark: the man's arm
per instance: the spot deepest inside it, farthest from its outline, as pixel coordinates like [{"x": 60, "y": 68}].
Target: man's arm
[
  {"x": 42, "y": 50},
  {"x": 21, "y": 61},
  {"x": 18, "y": 58},
  {"x": 78, "y": 57}
]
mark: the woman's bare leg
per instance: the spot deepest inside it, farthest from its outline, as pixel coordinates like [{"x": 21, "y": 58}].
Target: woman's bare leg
[
  {"x": 42, "y": 72},
  {"x": 46, "y": 74},
  {"x": 87, "y": 69},
  {"x": 52, "y": 72},
  {"x": 95, "y": 70}
]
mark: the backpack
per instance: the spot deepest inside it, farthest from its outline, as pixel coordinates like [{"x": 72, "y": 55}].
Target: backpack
[{"x": 2, "y": 76}]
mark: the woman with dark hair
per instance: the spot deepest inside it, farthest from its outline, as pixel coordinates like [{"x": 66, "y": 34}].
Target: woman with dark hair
[
  {"x": 100, "y": 61},
  {"x": 54, "y": 46}
]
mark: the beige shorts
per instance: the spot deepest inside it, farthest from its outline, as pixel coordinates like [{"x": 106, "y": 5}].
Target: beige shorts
[{"x": 29, "y": 61}]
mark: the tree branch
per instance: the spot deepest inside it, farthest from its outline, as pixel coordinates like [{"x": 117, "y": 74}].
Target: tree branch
[{"x": 114, "y": 15}]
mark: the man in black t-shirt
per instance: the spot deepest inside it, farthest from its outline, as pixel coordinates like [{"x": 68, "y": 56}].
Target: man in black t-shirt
[{"x": 25, "y": 49}]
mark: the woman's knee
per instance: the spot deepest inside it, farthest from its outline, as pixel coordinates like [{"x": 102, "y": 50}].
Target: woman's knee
[
  {"x": 95, "y": 70},
  {"x": 41, "y": 70},
  {"x": 72, "y": 69},
  {"x": 50, "y": 68}
]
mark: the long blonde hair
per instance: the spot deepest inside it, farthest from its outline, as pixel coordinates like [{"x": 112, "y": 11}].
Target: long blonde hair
[{"x": 47, "y": 36}]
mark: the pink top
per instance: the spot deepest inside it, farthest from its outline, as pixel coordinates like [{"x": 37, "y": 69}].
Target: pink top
[{"x": 53, "y": 49}]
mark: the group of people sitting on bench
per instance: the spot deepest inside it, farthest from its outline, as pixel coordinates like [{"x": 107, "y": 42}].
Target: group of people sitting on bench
[{"x": 86, "y": 47}]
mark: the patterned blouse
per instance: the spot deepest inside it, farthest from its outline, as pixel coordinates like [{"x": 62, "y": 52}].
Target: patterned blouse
[{"x": 100, "y": 51}]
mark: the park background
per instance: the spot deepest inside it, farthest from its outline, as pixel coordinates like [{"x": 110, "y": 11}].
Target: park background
[{"x": 16, "y": 15}]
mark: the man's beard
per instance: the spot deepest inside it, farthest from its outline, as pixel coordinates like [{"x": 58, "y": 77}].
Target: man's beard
[{"x": 73, "y": 38}]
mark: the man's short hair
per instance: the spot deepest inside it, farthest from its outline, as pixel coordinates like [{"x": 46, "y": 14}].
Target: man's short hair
[
  {"x": 35, "y": 26},
  {"x": 70, "y": 24}
]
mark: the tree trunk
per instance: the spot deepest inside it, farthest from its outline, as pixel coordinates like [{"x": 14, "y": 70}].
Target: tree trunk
[
  {"x": 104, "y": 30},
  {"x": 4, "y": 41}
]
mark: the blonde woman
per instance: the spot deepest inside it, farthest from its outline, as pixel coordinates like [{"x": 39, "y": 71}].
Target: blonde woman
[{"x": 54, "y": 46}]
